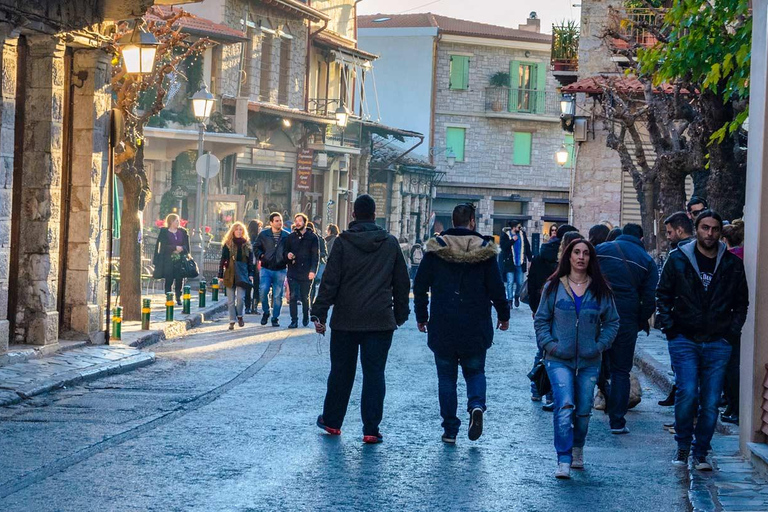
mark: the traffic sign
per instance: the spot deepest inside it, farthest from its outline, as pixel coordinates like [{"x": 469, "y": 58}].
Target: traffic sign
[{"x": 209, "y": 162}]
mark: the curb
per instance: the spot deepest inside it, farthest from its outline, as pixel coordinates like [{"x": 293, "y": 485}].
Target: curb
[
  {"x": 657, "y": 372},
  {"x": 78, "y": 377},
  {"x": 178, "y": 327}
]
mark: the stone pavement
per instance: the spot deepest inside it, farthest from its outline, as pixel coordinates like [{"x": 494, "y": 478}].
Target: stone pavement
[{"x": 734, "y": 485}]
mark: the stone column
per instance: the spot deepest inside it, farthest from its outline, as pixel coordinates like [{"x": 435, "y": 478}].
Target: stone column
[
  {"x": 406, "y": 221},
  {"x": 396, "y": 211},
  {"x": 88, "y": 215},
  {"x": 37, "y": 319},
  {"x": 8, "y": 61}
]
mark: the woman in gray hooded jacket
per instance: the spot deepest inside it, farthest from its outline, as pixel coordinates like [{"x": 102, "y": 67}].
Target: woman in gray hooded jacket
[{"x": 576, "y": 322}]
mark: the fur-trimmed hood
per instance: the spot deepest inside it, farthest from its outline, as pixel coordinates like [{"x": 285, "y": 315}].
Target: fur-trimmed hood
[{"x": 462, "y": 246}]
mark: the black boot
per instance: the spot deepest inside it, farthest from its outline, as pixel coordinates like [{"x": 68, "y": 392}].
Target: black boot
[{"x": 670, "y": 400}]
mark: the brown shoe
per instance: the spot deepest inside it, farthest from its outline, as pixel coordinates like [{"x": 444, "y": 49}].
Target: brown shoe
[
  {"x": 232, "y": 326},
  {"x": 240, "y": 321}
]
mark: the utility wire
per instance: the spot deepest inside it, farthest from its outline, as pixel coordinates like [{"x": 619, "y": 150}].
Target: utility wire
[{"x": 420, "y": 6}]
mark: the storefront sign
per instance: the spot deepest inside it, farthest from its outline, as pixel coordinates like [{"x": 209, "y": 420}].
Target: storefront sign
[{"x": 304, "y": 169}]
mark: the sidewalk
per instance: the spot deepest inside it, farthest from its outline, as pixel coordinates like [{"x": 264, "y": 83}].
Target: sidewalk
[
  {"x": 27, "y": 371},
  {"x": 734, "y": 485}
]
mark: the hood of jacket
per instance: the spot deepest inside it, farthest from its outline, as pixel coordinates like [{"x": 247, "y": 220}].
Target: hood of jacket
[
  {"x": 462, "y": 246},
  {"x": 689, "y": 251},
  {"x": 365, "y": 236}
]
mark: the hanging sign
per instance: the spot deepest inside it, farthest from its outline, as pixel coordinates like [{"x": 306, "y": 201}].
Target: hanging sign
[{"x": 304, "y": 169}]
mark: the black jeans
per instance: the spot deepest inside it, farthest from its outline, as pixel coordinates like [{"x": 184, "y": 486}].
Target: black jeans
[
  {"x": 176, "y": 284},
  {"x": 252, "y": 294},
  {"x": 299, "y": 292},
  {"x": 621, "y": 356},
  {"x": 374, "y": 348},
  {"x": 732, "y": 380}
]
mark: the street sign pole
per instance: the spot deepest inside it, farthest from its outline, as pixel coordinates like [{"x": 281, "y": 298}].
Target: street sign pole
[
  {"x": 207, "y": 167},
  {"x": 198, "y": 200}
]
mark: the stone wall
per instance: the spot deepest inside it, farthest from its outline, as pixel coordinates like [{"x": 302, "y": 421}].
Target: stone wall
[{"x": 594, "y": 55}]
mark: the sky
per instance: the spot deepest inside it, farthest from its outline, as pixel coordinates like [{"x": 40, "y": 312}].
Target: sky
[{"x": 508, "y": 13}]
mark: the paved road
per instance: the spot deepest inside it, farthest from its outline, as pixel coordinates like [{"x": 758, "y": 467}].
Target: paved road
[{"x": 224, "y": 421}]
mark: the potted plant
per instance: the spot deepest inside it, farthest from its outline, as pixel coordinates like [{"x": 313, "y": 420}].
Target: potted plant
[
  {"x": 565, "y": 46},
  {"x": 499, "y": 80}
]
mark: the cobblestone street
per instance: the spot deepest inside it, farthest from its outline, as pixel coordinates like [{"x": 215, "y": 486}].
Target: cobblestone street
[{"x": 225, "y": 421}]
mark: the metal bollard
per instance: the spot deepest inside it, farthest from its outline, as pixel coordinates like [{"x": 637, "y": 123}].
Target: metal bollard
[
  {"x": 201, "y": 297},
  {"x": 169, "y": 307},
  {"x": 186, "y": 300},
  {"x": 215, "y": 289},
  {"x": 117, "y": 323},
  {"x": 146, "y": 309}
]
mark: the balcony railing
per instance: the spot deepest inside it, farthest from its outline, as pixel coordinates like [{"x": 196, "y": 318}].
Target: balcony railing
[
  {"x": 323, "y": 106},
  {"x": 633, "y": 26},
  {"x": 565, "y": 47},
  {"x": 522, "y": 101}
]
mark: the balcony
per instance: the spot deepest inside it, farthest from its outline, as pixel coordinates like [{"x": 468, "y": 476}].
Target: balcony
[
  {"x": 565, "y": 52},
  {"x": 323, "y": 106},
  {"x": 633, "y": 26},
  {"x": 331, "y": 137},
  {"x": 506, "y": 102}
]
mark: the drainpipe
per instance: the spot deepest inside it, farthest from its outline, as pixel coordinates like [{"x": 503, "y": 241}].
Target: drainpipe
[{"x": 434, "y": 96}]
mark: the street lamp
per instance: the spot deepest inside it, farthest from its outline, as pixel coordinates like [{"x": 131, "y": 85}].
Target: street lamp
[
  {"x": 138, "y": 49},
  {"x": 342, "y": 116},
  {"x": 202, "y": 104},
  {"x": 450, "y": 156},
  {"x": 562, "y": 155},
  {"x": 567, "y": 105}
]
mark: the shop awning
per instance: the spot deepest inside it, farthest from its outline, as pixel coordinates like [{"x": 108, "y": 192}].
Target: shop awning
[
  {"x": 167, "y": 143},
  {"x": 288, "y": 112}
]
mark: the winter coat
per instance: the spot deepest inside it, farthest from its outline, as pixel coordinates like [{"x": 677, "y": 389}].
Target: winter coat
[
  {"x": 329, "y": 241},
  {"x": 508, "y": 252},
  {"x": 634, "y": 289},
  {"x": 323, "y": 249},
  {"x": 166, "y": 261},
  {"x": 231, "y": 253},
  {"x": 304, "y": 247},
  {"x": 365, "y": 280},
  {"x": 270, "y": 256},
  {"x": 542, "y": 266},
  {"x": 460, "y": 274},
  {"x": 576, "y": 340},
  {"x": 685, "y": 307}
]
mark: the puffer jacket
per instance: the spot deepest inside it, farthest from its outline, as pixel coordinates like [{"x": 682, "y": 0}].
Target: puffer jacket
[
  {"x": 576, "y": 340},
  {"x": 542, "y": 267},
  {"x": 460, "y": 273},
  {"x": 686, "y": 308}
]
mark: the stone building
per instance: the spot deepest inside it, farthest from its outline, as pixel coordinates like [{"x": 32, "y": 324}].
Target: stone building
[
  {"x": 54, "y": 131},
  {"x": 503, "y": 133}
]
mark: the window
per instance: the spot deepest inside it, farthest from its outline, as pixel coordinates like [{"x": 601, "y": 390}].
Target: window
[
  {"x": 266, "y": 66},
  {"x": 454, "y": 141},
  {"x": 569, "y": 145},
  {"x": 283, "y": 85},
  {"x": 521, "y": 146},
  {"x": 459, "y": 73},
  {"x": 529, "y": 84}
]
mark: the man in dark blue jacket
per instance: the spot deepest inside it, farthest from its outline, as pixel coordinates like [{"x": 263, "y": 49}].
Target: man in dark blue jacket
[
  {"x": 633, "y": 276},
  {"x": 269, "y": 250},
  {"x": 460, "y": 273},
  {"x": 302, "y": 254}
]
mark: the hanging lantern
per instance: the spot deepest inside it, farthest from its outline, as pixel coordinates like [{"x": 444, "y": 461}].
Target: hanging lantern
[{"x": 138, "y": 49}]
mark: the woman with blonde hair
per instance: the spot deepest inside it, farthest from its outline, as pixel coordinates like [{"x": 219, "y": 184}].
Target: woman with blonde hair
[
  {"x": 236, "y": 269},
  {"x": 170, "y": 250}
]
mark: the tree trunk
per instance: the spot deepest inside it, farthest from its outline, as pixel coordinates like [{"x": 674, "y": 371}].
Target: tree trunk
[
  {"x": 671, "y": 185},
  {"x": 727, "y": 180},
  {"x": 647, "y": 200},
  {"x": 130, "y": 247}
]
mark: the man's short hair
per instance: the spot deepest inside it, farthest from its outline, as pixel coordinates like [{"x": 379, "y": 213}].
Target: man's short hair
[
  {"x": 273, "y": 215},
  {"x": 679, "y": 220},
  {"x": 708, "y": 214},
  {"x": 598, "y": 233},
  {"x": 463, "y": 215},
  {"x": 565, "y": 228},
  {"x": 632, "y": 229},
  {"x": 303, "y": 216},
  {"x": 365, "y": 208},
  {"x": 697, "y": 200}
]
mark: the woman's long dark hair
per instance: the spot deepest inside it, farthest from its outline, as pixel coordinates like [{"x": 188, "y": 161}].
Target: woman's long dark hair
[{"x": 599, "y": 286}]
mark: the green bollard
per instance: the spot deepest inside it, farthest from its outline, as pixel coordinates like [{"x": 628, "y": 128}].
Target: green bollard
[
  {"x": 117, "y": 320},
  {"x": 215, "y": 289},
  {"x": 169, "y": 307},
  {"x": 186, "y": 300},
  {"x": 146, "y": 309},
  {"x": 201, "y": 297}
]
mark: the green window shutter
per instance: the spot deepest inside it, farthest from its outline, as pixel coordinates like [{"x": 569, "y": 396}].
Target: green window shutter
[
  {"x": 569, "y": 145},
  {"x": 540, "y": 72},
  {"x": 459, "y": 72},
  {"x": 514, "y": 85},
  {"x": 522, "y": 148},
  {"x": 454, "y": 140}
]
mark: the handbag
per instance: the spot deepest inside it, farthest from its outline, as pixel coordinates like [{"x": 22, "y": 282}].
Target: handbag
[
  {"x": 189, "y": 268},
  {"x": 524, "y": 296},
  {"x": 242, "y": 279},
  {"x": 538, "y": 375}
]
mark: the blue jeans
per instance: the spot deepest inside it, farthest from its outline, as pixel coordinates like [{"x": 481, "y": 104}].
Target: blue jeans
[
  {"x": 621, "y": 355},
  {"x": 274, "y": 280},
  {"x": 699, "y": 373},
  {"x": 515, "y": 282},
  {"x": 574, "y": 394},
  {"x": 473, "y": 368}
]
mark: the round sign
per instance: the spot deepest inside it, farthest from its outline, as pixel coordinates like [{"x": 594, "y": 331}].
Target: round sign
[{"x": 208, "y": 165}]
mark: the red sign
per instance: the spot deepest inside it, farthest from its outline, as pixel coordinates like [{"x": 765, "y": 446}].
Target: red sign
[{"x": 304, "y": 169}]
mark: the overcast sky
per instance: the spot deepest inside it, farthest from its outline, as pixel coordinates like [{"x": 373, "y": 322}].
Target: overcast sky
[{"x": 509, "y": 13}]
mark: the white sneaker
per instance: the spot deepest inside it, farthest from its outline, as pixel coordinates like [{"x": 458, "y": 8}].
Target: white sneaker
[
  {"x": 563, "y": 471},
  {"x": 578, "y": 458}
]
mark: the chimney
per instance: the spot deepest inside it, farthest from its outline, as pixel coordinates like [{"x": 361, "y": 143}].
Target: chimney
[{"x": 532, "y": 24}]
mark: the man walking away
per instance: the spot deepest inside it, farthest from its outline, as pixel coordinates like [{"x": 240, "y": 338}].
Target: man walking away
[
  {"x": 633, "y": 276},
  {"x": 323, "y": 260},
  {"x": 460, "y": 273},
  {"x": 366, "y": 282},
  {"x": 679, "y": 229},
  {"x": 702, "y": 305},
  {"x": 269, "y": 249},
  {"x": 516, "y": 253},
  {"x": 303, "y": 256}
]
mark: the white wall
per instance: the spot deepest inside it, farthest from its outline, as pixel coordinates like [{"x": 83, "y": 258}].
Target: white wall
[{"x": 403, "y": 74}]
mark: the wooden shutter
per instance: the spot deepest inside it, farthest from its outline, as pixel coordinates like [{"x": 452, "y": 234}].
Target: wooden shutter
[
  {"x": 571, "y": 147},
  {"x": 514, "y": 85},
  {"x": 265, "y": 80},
  {"x": 459, "y": 71},
  {"x": 521, "y": 146},
  {"x": 455, "y": 140},
  {"x": 284, "y": 82},
  {"x": 539, "y": 73}
]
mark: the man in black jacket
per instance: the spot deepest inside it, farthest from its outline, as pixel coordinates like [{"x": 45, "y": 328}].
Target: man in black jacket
[
  {"x": 633, "y": 276},
  {"x": 269, "y": 250},
  {"x": 679, "y": 228},
  {"x": 366, "y": 281},
  {"x": 460, "y": 273},
  {"x": 302, "y": 253},
  {"x": 515, "y": 255},
  {"x": 702, "y": 305}
]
